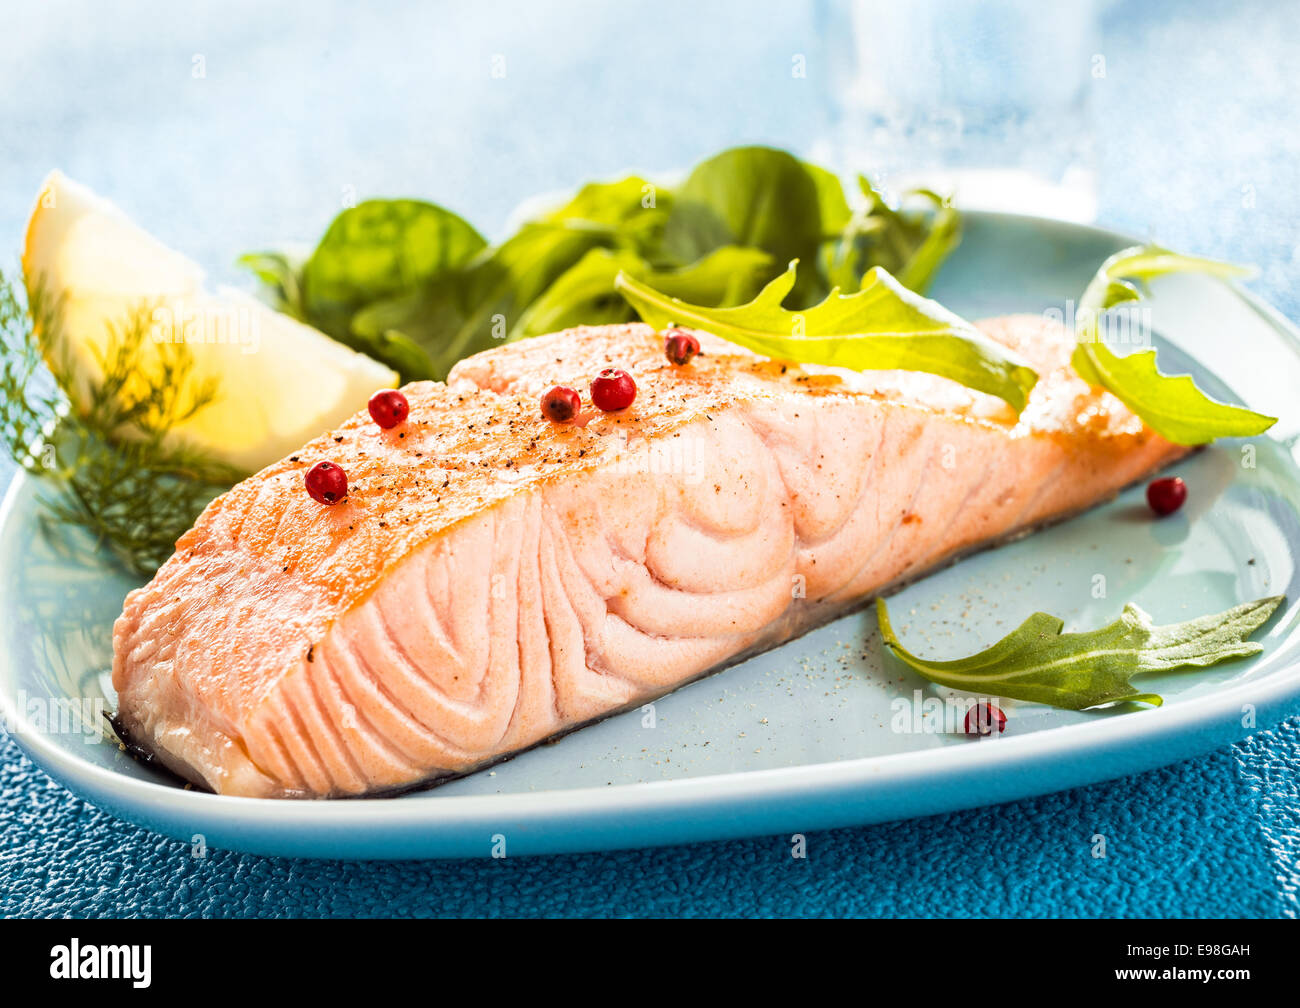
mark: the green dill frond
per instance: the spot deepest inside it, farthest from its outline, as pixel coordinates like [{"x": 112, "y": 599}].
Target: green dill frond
[{"x": 99, "y": 444}]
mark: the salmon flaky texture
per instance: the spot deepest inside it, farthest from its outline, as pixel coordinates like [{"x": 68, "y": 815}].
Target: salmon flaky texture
[{"x": 494, "y": 579}]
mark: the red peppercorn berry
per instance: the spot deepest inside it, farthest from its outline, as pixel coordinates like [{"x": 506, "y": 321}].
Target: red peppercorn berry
[
  {"x": 561, "y": 404},
  {"x": 985, "y": 719},
  {"x": 1166, "y": 495},
  {"x": 680, "y": 346},
  {"x": 613, "y": 390},
  {"x": 388, "y": 408},
  {"x": 327, "y": 483}
]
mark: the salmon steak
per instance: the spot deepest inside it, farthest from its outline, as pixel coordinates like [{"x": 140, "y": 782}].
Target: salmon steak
[{"x": 494, "y": 579}]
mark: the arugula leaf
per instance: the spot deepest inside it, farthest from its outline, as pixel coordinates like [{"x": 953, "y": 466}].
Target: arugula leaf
[
  {"x": 911, "y": 241},
  {"x": 280, "y": 272},
  {"x": 1144, "y": 263},
  {"x": 1171, "y": 405},
  {"x": 585, "y": 294},
  {"x": 1075, "y": 671},
  {"x": 937, "y": 240},
  {"x": 881, "y": 327}
]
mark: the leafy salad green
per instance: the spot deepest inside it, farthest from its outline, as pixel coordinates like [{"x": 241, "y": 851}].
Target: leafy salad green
[
  {"x": 882, "y": 326},
  {"x": 1075, "y": 671},
  {"x": 414, "y": 285},
  {"x": 1171, "y": 405}
]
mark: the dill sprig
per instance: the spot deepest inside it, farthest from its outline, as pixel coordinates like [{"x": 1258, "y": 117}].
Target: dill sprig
[{"x": 100, "y": 443}]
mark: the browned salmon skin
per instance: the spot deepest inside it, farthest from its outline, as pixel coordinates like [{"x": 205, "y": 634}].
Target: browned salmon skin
[{"x": 494, "y": 579}]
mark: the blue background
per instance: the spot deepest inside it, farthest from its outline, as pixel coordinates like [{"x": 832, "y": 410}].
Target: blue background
[{"x": 1198, "y": 145}]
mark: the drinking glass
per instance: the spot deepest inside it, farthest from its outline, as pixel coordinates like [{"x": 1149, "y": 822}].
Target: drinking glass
[{"x": 988, "y": 101}]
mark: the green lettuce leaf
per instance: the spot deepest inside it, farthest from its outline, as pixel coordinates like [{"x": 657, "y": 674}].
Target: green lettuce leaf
[
  {"x": 883, "y": 326},
  {"x": 630, "y": 213},
  {"x": 1075, "y": 671},
  {"x": 415, "y": 286},
  {"x": 585, "y": 294},
  {"x": 761, "y": 198},
  {"x": 374, "y": 251},
  {"x": 377, "y": 249},
  {"x": 833, "y": 209},
  {"x": 1171, "y": 405},
  {"x": 464, "y": 311}
]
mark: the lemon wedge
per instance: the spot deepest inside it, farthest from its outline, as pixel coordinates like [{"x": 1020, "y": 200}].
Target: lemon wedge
[{"x": 278, "y": 382}]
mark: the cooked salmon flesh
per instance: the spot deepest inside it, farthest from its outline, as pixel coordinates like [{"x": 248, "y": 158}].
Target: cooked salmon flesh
[{"x": 493, "y": 579}]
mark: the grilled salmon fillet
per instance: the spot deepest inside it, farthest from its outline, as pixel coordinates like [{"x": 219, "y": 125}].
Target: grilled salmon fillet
[{"x": 494, "y": 579}]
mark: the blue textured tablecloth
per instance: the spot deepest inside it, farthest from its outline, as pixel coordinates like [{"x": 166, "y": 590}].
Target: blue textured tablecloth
[{"x": 1198, "y": 145}]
